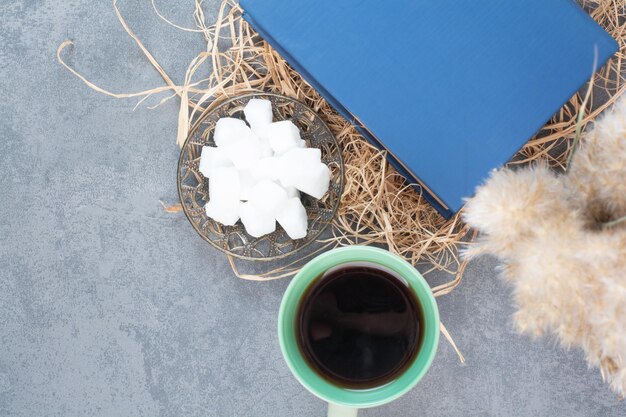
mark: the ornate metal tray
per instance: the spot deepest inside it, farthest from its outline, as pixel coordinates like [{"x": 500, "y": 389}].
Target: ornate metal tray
[{"x": 193, "y": 188}]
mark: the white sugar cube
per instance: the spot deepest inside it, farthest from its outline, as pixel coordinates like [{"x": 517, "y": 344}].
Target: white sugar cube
[
  {"x": 268, "y": 196},
  {"x": 266, "y": 149},
  {"x": 303, "y": 156},
  {"x": 314, "y": 180},
  {"x": 225, "y": 213},
  {"x": 266, "y": 169},
  {"x": 224, "y": 191},
  {"x": 246, "y": 183},
  {"x": 227, "y": 129},
  {"x": 224, "y": 186},
  {"x": 256, "y": 221},
  {"x": 212, "y": 158},
  {"x": 292, "y": 192},
  {"x": 261, "y": 134},
  {"x": 283, "y": 136},
  {"x": 292, "y": 217},
  {"x": 244, "y": 149},
  {"x": 296, "y": 163},
  {"x": 258, "y": 112}
]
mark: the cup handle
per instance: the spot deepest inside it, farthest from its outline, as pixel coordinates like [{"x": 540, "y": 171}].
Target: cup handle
[{"x": 336, "y": 410}]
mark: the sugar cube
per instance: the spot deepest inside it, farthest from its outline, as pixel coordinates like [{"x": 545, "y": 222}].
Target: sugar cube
[
  {"x": 226, "y": 213},
  {"x": 244, "y": 149},
  {"x": 261, "y": 134},
  {"x": 314, "y": 180},
  {"x": 266, "y": 149},
  {"x": 212, "y": 158},
  {"x": 246, "y": 182},
  {"x": 227, "y": 129},
  {"x": 224, "y": 186},
  {"x": 256, "y": 221},
  {"x": 296, "y": 163},
  {"x": 268, "y": 196},
  {"x": 303, "y": 156},
  {"x": 265, "y": 169},
  {"x": 283, "y": 136},
  {"x": 292, "y": 217},
  {"x": 258, "y": 112},
  {"x": 292, "y": 192}
]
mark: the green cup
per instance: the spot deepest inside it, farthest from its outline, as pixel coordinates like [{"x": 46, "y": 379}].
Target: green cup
[{"x": 344, "y": 402}]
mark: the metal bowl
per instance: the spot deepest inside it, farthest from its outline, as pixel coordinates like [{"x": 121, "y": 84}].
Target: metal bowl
[{"x": 193, "y": 187}]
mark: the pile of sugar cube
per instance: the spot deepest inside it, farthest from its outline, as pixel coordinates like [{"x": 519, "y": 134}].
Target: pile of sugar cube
[{"x": 256, "y": 173}]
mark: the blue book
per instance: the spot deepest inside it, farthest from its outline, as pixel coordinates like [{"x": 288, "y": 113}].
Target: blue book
[{"x": 451, "y": 89}]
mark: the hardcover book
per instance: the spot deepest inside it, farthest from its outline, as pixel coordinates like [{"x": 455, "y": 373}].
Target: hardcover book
[{"x": 451, "y": 89}]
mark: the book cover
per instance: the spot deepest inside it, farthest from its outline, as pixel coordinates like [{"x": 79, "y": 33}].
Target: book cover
[{"x": 450, "y": 89}]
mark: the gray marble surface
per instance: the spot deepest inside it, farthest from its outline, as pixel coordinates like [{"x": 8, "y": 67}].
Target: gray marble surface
[{"x": 111, "y": 307}]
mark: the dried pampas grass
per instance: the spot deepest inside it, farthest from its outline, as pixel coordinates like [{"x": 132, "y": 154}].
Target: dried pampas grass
[{"x": 562, "y": 239}]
